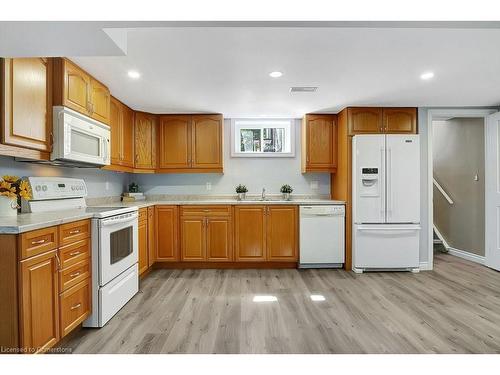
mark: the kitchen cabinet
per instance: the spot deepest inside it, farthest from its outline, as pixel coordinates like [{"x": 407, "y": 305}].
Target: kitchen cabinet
[
  {"x": 190, "y": 143},
  {"x": 26, "y": 94},
  {"x": 145, "y": 140},
  {"x": 400, "y": 120},
  {"x": 166, "y": 225},
  {"x": 250, "y": 233},
  {"x": 206, "y": 233},
  {"x": 76, "y": 89},
  {"x": 373, "y": 120},
  {"x": 282, "y": 233},
  {"x": 266, "y": 233},
  {"x": 122, "y": 134},
  {"x": 319, "y": 144},
  {"x": 75, "y": 306},
  {"x": 39, "y": 301},
  {"x": 143, "y": 240},
  {"x": 151, "y": 236}
]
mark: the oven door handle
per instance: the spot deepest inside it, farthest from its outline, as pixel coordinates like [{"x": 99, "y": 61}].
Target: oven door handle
[{"x": 131, "y": 218}]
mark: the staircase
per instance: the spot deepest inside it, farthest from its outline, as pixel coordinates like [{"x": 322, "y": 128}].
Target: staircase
[{"x": 439, "y": 246}]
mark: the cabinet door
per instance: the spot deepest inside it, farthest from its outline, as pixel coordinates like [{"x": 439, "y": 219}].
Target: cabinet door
[
  {"x": 145, "y": 140},
  {"x": 166, "y": 219},
  {"x": 400, "y": 120},
  {"x": 127, "y": 130},
  {"x": 320, "y": 142},
  {"x": 143, "y": 246},
  {"x": 250, "y": 233},
  {"x": 116, "y": 130},
  {"x": 206, "y": 141},
  {"x": 193, "y": 238},
  {"x": 219, "y": 239},
  {"x": 39, "y": 296},
  {"x": 151, "y": 236},
  {"x": 364, "y": 120},
  {"x": 76, "y": 88},
  {"x": 282, "y": 233},
  {"x": 27, "y": 103},
  {"x": 99, "y": 102},
  {"x": 175, "y": 142}
]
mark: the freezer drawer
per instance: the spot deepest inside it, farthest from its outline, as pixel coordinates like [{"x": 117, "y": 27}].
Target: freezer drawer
[{"x": 386, "y": 246}]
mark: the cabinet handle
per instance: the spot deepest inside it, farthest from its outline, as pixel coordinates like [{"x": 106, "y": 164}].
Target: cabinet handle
[
  {"x": 58, "y": 262},
  {"x": 76, "y": 231},
  {"x": 73, "y": 275},
  {"x": 74, "y": 307},
  {"x": 74, "y": 253},
  {"x": 39, "y": 242}
]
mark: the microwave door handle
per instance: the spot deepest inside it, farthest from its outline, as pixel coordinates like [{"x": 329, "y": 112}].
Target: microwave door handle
[{"x": 105, "y": 150}]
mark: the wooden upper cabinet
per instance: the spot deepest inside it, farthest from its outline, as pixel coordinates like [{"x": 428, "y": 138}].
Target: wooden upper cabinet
[
  {"x": 26, "y": 85},
  {"x": 166, "y": 227},
  {"x": 122, "y": 133},
  {"x": 145, "y": 140},
  {"x": 400, "y": 120},
  {"x": 193, "y": 238},
  {"x": 175, "y": 142},
  {"x": 116, "y": 132},
  {"x": 127, "y": 131},
  {"x": 39, "y": 301},
  {"x": 319, "y": 143},
  {"x": 76, "y": 89},
  {"x": 364, "y": 120},
  {"x": 282, "y": 233},
  {"x": 206, "y": 141},
  {"x": 99, "y": 101},
  {"x": 219, "y": 239},
  {"x": 250, "y": 233}
]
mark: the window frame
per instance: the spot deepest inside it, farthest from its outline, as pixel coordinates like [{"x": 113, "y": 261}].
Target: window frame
[{"x": 260, "y": 123}]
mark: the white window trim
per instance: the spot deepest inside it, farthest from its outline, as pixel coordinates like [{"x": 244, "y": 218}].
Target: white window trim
[{"x": 235, "y": 153}]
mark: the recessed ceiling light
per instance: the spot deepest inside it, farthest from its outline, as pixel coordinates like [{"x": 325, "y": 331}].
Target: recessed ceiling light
[
  {"x": 317, "y": 297},
  {"x": 275, "y": 74},
  {"x": 427, "y": 75},
  {"x": 134, "y": 74},
  {"x": 265, "y": 298}
]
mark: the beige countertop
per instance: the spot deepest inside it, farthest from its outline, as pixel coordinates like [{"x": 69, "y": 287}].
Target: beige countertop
[{"x": 27, "y": 222}]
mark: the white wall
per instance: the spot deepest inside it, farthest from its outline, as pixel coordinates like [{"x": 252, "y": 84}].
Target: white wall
[
  {"x": 255, "y": 173},
  {"x": 99, "y": 183}
]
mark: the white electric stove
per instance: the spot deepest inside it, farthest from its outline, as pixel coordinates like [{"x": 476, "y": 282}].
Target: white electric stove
[{"x": 115, "y": 272}]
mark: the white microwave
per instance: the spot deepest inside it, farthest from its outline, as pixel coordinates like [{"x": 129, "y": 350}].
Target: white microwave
[{"x": 79, "y": 140}]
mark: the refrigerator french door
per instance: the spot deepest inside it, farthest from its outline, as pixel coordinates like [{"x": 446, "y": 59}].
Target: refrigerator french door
[{"x": 386, "y": 202}]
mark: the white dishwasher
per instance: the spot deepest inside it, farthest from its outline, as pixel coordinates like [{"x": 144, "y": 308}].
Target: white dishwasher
[{"x": 322, "y": 233}]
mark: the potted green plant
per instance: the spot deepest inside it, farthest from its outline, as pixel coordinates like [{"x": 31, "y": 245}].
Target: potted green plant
[
  {"x": 241, "y": 190},
  {"x": 286, "y": 190},
  {"x": 12, "y": 190},
  {"x": 133, "y": 188}
]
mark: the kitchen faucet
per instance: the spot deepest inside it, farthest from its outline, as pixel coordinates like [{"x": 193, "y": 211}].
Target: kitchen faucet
[{"x": 263, "y": 196}]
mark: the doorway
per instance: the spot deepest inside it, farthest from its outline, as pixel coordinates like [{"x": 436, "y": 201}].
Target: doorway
[{"x": 457, "y": 182}]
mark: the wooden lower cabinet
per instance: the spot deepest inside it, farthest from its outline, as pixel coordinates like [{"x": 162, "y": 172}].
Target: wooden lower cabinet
[
  {"x": 219, "y": 239},
  {"x": 282, "y": 233},
  {"x": 39, "y": 302},
  {"x": 193, "y": 238},
  {"x": 151, "y": 236},
  {"x": 266, "y": 233},
  {"x": 166, "y": 225},
  {"x": 75, "y": 306},
  {"x": 250, "y": 233},
  {"x": 143, "y": 245}
]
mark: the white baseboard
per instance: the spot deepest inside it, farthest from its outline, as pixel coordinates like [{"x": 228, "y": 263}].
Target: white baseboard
[
  {"x": 425, "y": 266},
  {"x": 466, "y": 255}
]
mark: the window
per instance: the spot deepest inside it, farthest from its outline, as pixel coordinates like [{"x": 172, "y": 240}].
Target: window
[{"x": 262, "y": 138}]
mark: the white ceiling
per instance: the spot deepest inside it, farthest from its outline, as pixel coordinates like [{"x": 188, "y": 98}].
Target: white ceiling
[{"x": 225, "y": 69}]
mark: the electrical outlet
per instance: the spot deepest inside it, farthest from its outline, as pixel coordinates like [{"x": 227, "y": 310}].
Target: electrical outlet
[
  {"x": 107, "y": 185},
  {"x": 314, "y": 185},
  {"x": 209, "y": 186}
]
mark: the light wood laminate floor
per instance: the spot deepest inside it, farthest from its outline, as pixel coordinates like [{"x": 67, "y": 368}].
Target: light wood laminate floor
[{"x": 453, "y": 309}]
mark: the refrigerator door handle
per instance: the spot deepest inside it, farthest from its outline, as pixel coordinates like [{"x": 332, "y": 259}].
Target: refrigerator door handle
[
  {"x": 389, "y": 182},
  {"x": 382, "y": 187},
  {"x": 386, "y": 228}
]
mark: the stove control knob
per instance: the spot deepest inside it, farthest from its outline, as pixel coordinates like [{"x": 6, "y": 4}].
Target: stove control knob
[
  {"x": 72, "y": 188},
  {"x": 38, "y": 188},
  {"x": 44, "y": 188}
]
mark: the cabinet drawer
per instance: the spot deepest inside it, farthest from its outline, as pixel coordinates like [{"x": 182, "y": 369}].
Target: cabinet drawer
[
  {"x": 205, "y": 210},
  {"x": 143, "y": 214},
  {"x": 75, "y": 306},
  {"x": 74, "y": 253},
  {"x": 38, "y": 241},
  {"x": 74, "y": 274},
  {"x": 75, "y": 231}
]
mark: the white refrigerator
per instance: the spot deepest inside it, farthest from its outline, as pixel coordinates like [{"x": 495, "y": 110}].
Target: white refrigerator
[{"x": 386, "y": 202}]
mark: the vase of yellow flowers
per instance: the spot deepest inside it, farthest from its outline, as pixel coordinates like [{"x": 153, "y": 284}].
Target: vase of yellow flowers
[{"x": 12, "y": 189}]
